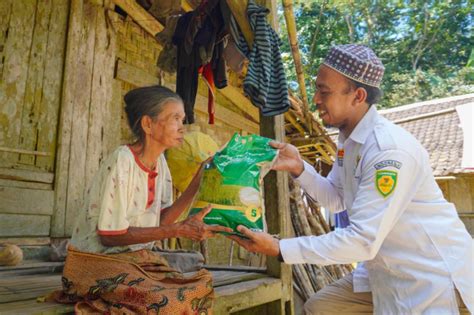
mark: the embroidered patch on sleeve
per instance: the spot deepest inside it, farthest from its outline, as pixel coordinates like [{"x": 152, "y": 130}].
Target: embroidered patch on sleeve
[
  {"x": 387, "y": 163},
  {"x": 385, "y": 181}
]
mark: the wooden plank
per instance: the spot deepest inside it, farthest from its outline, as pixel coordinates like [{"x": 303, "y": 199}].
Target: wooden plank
[
  {"x": 116, "y": 107},
  {"x": 31, "y": 268},
  {"x": 237, "y": 97},
  {"x": 32, "y": 307},
  {"x": 82, "y": 99},
  {"x": 223, "y": 278},
  {"x": 13, "y": 80},
  {"x": 12, "y": 200},
  {"x": 244, "y": 295},
  {"x": 26, "y": 175},
  {"x": 68, "y": 101},
  {"x": 52, "y": 82},
  {"x": 21, "y": 288},
  {"x": 18, "y": 184},
  {"x": 5, "y": 13},
  {"x": 227, "y": 116},
  {"x": 24, "y": 225},
  {"x": 186, "y": 5},
  {"x": 25, "y": 152},
  {"x": 140, "y": 16},
  {"x": 213, "y": 268},
  {"x": 114, "y": 102},
  {"x": 460, "y": 194},
  {"x": 25, "y": 241},
  {"x": 232, "y": 99},
  {"x": 34, "y": 82},
  {"x": 239, "y": 11},
  {"x": 134, "y": 75},
  {"x": 102, "y": 79}
]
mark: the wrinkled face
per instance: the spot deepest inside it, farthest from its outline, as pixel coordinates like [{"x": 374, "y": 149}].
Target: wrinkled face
[
  {"x": 167, "y": 129},
  {"x": 334, "y": 97}
]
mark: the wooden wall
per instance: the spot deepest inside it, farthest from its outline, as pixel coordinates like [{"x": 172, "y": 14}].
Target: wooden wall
[
  {"x": 32, "y": 54},
  {"x": 460, "y": 191},
  {"x": 65, "y": 66}
]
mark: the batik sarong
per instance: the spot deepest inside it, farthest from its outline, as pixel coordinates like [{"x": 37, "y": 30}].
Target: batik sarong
[{"x": 138, "y": 282}]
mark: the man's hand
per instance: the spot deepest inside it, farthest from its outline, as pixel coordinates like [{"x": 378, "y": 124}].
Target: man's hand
[
  {"x": 259, "y": 242},
  {"x": 195, "y": 229},
  {"x": 288, "y": 159}
]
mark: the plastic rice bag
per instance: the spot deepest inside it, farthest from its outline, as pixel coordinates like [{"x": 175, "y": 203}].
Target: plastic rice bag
[{"x": 232, "y": 184}]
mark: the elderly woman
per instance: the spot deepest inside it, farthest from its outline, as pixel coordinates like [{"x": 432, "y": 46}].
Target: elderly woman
[{"x": 110, "y": 266}]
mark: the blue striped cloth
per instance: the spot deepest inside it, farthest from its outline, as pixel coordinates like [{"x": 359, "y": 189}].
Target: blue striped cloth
[{"x": 265, "y": 82}]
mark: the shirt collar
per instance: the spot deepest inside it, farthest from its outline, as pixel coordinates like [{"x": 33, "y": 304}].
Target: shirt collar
[{"x": 364, "y": 127}]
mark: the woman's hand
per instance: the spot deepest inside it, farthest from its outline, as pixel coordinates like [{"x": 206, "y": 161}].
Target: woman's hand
[
  {"x": 195, "y": 229},
  {"x": 288, "y": 159}
]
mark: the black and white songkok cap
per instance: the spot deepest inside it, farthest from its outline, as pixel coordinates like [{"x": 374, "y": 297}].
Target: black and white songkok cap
[{"x": 356, "y": 62}]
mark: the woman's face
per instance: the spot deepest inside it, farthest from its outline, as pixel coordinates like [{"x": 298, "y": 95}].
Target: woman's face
[{"x": 167, "y": 128}]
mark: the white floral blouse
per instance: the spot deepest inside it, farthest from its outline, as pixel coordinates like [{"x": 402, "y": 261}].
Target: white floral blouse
[{"x": 124, "y": 193}]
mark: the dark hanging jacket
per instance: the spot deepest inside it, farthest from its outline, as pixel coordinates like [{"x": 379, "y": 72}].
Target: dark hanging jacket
[{"x": 198, "y": 36}]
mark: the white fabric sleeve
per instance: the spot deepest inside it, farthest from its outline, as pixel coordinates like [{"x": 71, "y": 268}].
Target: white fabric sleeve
[
  {"x": 326, "y": 190},
  {"x": 114, "y": 197},
  {"x": 372, "y": 217}
]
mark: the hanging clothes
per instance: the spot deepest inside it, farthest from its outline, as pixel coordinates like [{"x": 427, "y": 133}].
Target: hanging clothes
[
  {"x": 199, "y": 36},
  {"x": 167, "y": 60},
  {"x": 208, "y": 76},
  {"x": 265, "y": 82}
]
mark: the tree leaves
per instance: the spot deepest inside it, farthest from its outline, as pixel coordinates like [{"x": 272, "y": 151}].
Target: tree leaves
[{"x": 424, "y": 45}]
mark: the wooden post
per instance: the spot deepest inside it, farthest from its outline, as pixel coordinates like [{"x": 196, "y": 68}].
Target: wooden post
[
  {"x": 277, "y": 200},
  {"x": 277, "y": 206},
  {"x": 66, "y": 117}
]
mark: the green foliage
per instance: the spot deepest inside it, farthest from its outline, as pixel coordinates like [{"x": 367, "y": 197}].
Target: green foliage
[{"x": 426, "y": 46}]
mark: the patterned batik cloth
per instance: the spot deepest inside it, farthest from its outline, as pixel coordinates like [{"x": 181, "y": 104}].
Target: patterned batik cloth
[{"x": 138, "y": 282}]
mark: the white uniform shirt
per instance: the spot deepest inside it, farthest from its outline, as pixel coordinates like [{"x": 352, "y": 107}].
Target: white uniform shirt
[
  {"x": 124, "y": 193},
  {"x": 414, "y": 247}
]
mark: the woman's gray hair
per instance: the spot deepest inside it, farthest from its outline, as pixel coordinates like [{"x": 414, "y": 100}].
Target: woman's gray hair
[{"x": 146, "y": 101}]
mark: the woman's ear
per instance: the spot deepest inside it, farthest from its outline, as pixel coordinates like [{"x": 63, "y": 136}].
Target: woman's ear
[{"x": 146, "y": 123}]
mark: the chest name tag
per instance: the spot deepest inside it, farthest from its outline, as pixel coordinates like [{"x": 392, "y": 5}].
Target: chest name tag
[
  {"x": 385, "y": 181},
  {"x": 340, "y": 157}
]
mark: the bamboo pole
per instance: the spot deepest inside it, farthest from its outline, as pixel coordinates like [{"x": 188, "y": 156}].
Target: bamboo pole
[
  {"x": 291, "y": 27},
  {"x": 305, "y": 279},
  {"x": 317, "y": 211},
  {"x": 316, "y": 226},
  {"x": 321, "y": 279}
]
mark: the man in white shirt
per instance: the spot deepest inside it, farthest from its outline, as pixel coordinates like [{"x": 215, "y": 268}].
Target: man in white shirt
[{"x": 415, "y": 255}]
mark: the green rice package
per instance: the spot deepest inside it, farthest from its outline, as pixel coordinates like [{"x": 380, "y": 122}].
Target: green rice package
[{"x": 232, "y": 184}]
